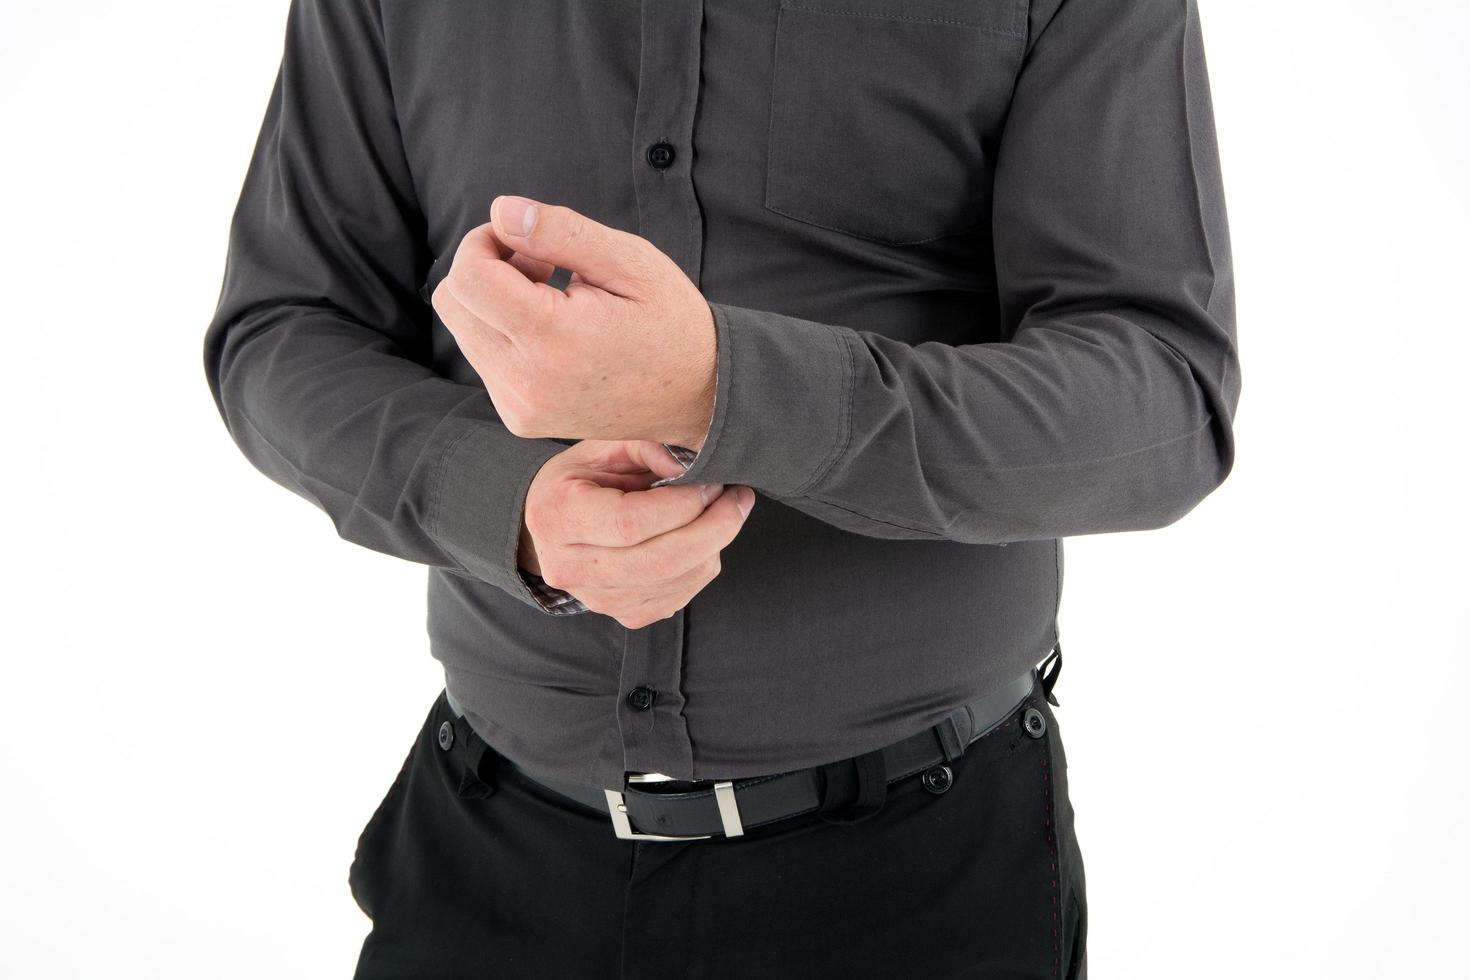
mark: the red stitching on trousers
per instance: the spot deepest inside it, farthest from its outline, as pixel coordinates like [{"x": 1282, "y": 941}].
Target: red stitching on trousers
[{"x": 1051, "y": 842}]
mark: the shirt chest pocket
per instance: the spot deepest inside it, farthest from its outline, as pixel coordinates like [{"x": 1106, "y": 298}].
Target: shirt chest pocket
[{"x": 885, "y": 113}]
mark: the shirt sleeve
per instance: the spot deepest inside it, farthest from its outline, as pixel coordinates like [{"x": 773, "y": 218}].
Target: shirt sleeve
[
  {"x": 317, "y": 354},
  {"x": 557, "y": 602},
  {"x": 1110, "y": 406}
]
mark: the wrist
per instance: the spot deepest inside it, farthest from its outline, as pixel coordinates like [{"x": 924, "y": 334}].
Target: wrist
[
  {"x": 695, "y": 420},
  {"x": 698, "y": 407}
]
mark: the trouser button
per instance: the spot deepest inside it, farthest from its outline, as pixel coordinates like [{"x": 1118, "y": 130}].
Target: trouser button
[
  {"x": 1034, "y": 723},
  {"x": 938, "y": 779},
  {"x": 446, "y": 736}
]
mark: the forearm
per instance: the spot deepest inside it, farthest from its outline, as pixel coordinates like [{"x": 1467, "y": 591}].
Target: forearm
[
  {"x": 1089, "y": 424},
  {"x": 1109, "y": 405},
  {"x": 317, "y": 353},
  {"x": 402, "y": 461}
]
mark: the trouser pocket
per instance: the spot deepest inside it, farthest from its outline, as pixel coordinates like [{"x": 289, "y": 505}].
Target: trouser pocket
[
  {"x": 364, "y": 875},
  {"x": 448, "y": 769}
]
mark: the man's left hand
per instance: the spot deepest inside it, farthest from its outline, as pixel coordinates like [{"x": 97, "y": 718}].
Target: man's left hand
[{"x": 627, "y": 351}]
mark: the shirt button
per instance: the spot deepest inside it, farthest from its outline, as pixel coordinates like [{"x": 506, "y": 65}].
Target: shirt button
[
  {"x": 660, "y": 155},
  {"x": 640, "y": 698}
]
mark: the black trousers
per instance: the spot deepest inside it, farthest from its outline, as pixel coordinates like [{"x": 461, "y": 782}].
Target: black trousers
[{"x": 470, "y": 869}]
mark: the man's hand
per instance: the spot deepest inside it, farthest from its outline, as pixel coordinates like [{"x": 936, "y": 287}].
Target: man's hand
[
  {"x": 626, "y": 352},
  {"x": 593, "y": 528}
]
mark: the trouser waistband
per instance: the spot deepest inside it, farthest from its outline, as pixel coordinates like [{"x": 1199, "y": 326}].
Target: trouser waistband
[{"x": 703, "y": 808}]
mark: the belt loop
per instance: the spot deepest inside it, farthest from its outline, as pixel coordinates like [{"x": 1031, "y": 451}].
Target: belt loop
[
  {"x": 476, "y": 780},
  {"x": 951, "y": 742},
  {"x": 1049, "y": 681},
  {"x": 861, "y": 780}
]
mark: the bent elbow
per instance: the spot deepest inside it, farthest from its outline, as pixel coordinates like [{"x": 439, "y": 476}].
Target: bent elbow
[{"x": 1182, "y": 488}]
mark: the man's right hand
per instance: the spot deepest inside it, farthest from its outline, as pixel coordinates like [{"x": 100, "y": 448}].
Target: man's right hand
[{"x": 592, "y": 527}]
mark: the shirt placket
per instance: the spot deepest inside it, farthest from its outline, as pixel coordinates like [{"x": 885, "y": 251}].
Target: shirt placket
[{"x": 651, "y": 721}]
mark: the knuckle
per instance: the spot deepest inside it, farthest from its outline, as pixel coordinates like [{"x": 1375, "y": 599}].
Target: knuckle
[
  {"x": 445, "y": 296},
  {"x": 637, "y": 267},
  {"x": 475, "y": 241},
  {"x": 706, "y": 573},
  {"x": 542, "y": 312},
  {"x": 576, "y": 227},
  {"x": 624, "y": 528},
  {"x": 469, "y": 272}
]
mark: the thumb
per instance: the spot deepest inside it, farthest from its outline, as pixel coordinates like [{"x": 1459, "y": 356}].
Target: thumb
[
  {"x": 605, "y": 257},
  {"x": 654, "y": 457},
  {"x": 644, "y": 456}
]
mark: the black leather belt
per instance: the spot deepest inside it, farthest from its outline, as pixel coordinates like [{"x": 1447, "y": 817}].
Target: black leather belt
[{"x": 699, "y": 809}]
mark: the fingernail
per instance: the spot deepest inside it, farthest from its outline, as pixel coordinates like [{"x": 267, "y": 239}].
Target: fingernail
[
  {"x": 744, "y": 499},
  {"x": 517, "y": 212},
  {"x": 709, "y": 491}
]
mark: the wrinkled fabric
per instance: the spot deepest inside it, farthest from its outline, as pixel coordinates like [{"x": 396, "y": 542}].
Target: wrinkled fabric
[{"x": 970, "y": 274}]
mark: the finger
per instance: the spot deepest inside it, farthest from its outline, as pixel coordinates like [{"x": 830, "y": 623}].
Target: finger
[
  {"x": 653, "y": 456},
  {"x": 637, "y": 604},
  {"x": 498, "y": 292},
  {"x": 606, "y": 257},
  {"x": 629, "y": 455},
  {"x": 533, "y": 269},
  {"x": 626, "y": 482},
  {"x": 471, "y": 333},
  {"x": 468, "y": 330},
  {"x": 538, "y": 270},
  {"x": 604, "y": 517},
  {"x": 667, "y": 555}
]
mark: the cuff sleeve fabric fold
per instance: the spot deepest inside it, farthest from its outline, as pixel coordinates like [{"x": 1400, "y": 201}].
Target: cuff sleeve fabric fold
[
  {"x": 557, "y": 602},
  {"x": 1109, "y": 405},
  {"x": 479, "y": 505},
  {"x": 782, "y": 389},
  {"x": 318, "y": 354}
]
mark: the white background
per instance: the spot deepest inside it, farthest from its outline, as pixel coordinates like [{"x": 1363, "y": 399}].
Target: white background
[{"x": 205, "y": 692}]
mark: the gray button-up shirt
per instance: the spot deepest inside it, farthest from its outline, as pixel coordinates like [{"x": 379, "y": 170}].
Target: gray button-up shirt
[{"x": 971, "y": 281}]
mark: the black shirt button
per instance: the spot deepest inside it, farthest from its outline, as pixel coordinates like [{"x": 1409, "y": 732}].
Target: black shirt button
[
  {"x": 660, "y": 155},
  {"x": 1034, "y": 723},
  {"x": 446, "y": 736},
  {"x": 938, "y": 779},
  {"x": 640, "y": 698}
]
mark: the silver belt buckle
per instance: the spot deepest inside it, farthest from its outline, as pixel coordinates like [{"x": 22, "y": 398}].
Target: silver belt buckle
[{"x": 617, "y": 808}]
